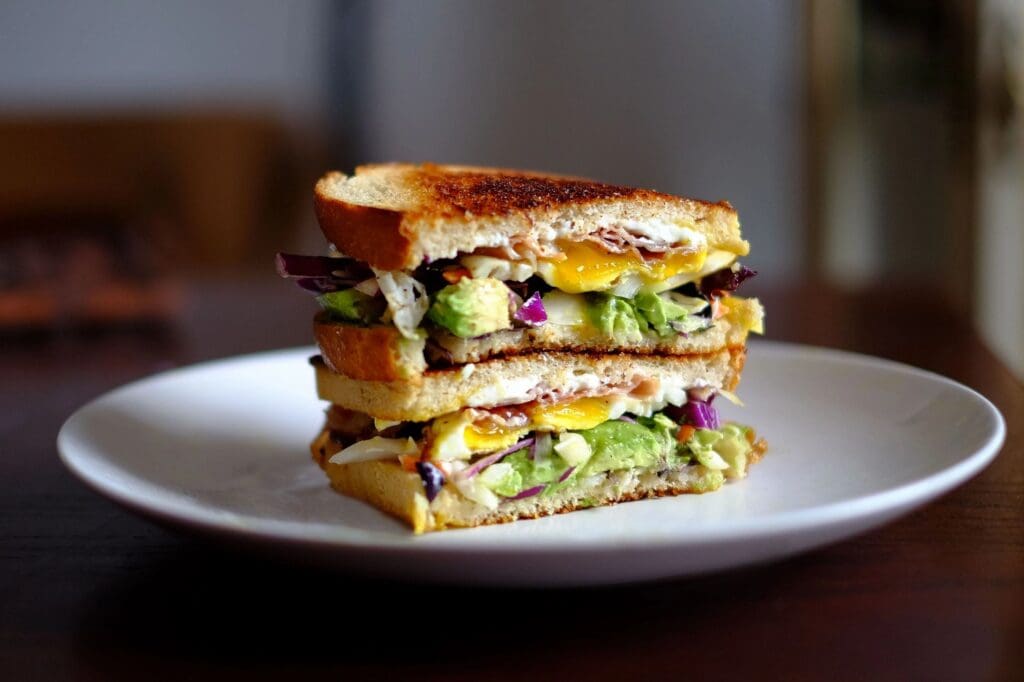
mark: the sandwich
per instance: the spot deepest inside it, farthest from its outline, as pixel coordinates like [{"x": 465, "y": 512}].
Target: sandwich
[{"x": 497, "y": 345}]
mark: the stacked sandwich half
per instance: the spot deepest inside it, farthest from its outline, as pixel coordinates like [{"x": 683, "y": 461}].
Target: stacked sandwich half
[{"x": 498, "y": 345}]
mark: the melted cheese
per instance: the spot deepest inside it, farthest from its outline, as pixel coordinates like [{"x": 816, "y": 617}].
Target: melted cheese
[{"x": 585, "y": 413}]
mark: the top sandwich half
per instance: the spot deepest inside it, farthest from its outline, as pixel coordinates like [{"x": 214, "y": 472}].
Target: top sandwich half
[
  {"x": 444, "y": 265},
  {"x": 396, "y": 216}
]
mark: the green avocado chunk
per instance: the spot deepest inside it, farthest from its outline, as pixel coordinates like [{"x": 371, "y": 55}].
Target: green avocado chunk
[
  {"x": 711, "y": 480},
  {"x": 659, "y": 312},
  {"x": 617, "y": 445},
  {"x": 628, "y": 319},
  {"x": 503, "y": 479},
  {"x": 734, "y": 448},
  {"x": 539, "y": 471},
  {"x": 726, "y": 449},
  {"x": 621, "y": 445},
  {"x": 353, "y": 306},
  {"x": 616, "y": 317},
  {"x": 472, "y": 307}
]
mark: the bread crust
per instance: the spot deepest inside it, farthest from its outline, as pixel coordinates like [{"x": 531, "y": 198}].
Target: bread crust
[
  {"x": 378, "y": 353},
  {"x": 737, "y": 359},
  {"x": 374, "y": 235},
  {"x": 435, "y": 211}
]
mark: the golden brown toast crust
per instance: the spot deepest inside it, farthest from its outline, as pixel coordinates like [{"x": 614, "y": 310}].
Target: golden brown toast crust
[
  {"x": 737, "y": 359},
  {"x": 363, "y": 353},
  {"x": 374, "y": 235},
  {"x": 384, "y": 237},
  {"x": 500, "y": 191}
]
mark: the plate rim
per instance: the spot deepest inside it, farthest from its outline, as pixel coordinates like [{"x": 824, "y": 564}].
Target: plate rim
[{"x": 912, "y": 494}]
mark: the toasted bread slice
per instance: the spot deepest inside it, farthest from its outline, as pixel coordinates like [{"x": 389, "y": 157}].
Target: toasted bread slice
[
  {"x": 395, "y": 216},
  {"x": 520, "y": 379},
  {"x": 388, "y": 487},
  {"x": 378, "y": 353}
]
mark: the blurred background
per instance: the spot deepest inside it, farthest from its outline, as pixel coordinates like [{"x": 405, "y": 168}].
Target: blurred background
[{"x": 868, "y": 145}]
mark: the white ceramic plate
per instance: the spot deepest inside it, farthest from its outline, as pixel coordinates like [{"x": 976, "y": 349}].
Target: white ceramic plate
[{"x": 854, "y": 442}]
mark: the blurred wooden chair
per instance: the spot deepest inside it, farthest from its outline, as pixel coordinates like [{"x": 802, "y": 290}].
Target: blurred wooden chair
[{"x": 97, "y": 214}]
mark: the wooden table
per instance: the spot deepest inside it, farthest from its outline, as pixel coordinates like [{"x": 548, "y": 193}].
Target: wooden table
[{"x": 88, "y": 591}]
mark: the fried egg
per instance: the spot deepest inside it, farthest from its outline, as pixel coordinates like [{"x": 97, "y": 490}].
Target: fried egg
[{"x": 586, "y": 266}]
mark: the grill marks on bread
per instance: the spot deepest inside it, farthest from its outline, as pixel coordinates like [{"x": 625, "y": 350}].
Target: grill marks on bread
[
  {"x": 502, "y": 193},
  {"x": 395, "y": 216}
]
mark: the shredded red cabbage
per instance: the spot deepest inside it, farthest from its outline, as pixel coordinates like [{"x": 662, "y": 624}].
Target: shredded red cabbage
[
  {"x": 530, "y": 492},
  {"x": 568, "y": 472},
  {"x": 433, "y": 479},
  {"x": 526, "y": 442},
  {"x": 318, "y": 285},
  {"x": 725, "y": 281},
  {"x": 627, "y": 419},
  {"x": 321, "y": 274},
  {"x": 700, "y": 414},
  {"x": 532, "y": 311},
  {"x": 294, "y": 265},
  {"x": 487, "y": 461}
]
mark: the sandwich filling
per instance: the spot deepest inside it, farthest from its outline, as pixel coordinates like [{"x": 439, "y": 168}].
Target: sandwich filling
[
  {"x": 498, "y": 455},
  {"x": 625, "y": 286}
]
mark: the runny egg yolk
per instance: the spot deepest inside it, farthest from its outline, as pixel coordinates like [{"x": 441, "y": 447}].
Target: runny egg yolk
[
  {"x": 489, "y": 436},
  {"x": 588, "y": 267},
  {"x": 585, "y": 413}
]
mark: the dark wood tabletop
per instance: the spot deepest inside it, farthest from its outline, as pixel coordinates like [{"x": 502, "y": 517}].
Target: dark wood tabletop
[{"x": 88, "y": 591}]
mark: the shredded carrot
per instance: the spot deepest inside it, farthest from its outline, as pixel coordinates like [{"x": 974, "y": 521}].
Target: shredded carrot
[
  {"x": 751, "y": 436},
  {"x": 408, "y": 462},
  {"x": 685, "y": 433},
  {"x": 454, "y": 275}
]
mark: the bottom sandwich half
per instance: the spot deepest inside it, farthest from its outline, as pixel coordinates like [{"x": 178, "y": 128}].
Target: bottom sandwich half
[{"x": 573, "y": 432}]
